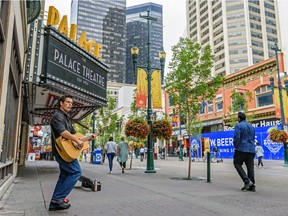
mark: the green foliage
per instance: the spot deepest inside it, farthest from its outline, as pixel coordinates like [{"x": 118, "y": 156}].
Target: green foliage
[
  {"x": 87, "y": 122},
  {"x": 195, "y": 128},
  {"x": 240, "y": 99},
  {"x": 190, "y": 81},
  {"x": 106, "y": 122}
]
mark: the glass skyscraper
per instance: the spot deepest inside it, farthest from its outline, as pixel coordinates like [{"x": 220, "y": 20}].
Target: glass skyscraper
[
  {"x": 104, "y": 21},
  {"x": 137, "y": 34},
  {"x": 240, "y": 32}
]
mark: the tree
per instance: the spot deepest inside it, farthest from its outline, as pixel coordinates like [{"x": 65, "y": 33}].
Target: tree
[
  {"x": 240, "y": 99},
  {"x": 106, "y": 122},
  {"x": 190, "y": 82}
]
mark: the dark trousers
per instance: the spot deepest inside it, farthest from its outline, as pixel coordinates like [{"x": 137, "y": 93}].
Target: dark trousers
[
  {"x": 260, "y": 161},
  {"x": 123, "y": 164},
  {"x": 70, "y": 172},
  {"x": 248, "y": 159}
]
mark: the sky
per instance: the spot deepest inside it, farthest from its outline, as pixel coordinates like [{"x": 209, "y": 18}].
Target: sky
[{"x": 174, "y": 19}]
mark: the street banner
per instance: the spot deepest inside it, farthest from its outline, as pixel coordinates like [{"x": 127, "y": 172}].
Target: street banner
[
  {"x": 156, "y": 90},
  {"x": 277, "y": 104},
  {"x": 141, "y": 92},
  {"x": 224, "y": 142}
]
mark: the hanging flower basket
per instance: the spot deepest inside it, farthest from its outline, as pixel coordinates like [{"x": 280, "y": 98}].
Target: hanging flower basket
[
  {"x": 162, "y": 129},
  {"x": 279, "y": 136},
  {"x": 137, "y": 128}
]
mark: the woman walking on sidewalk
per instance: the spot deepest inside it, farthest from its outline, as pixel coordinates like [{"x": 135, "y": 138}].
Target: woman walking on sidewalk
[
  {"x": 111, "y": 148},
  {"x": 123, "y": 153},
  {"x": 259, "y": 153}
]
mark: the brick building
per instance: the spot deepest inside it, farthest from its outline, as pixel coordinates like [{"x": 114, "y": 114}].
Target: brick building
[{"x": 263, "y": 106}]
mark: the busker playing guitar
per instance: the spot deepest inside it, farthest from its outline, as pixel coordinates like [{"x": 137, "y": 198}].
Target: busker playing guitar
[{"x": 70, "y": 172}]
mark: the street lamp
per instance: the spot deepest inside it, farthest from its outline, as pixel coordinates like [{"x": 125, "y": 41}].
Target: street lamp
[
  {"x": 280, "y": 87},
  {"x": 93, "y": 140},
  {"x": 162, "y": 55}
]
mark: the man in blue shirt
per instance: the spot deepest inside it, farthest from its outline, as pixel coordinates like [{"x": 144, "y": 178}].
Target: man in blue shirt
[{"x": 244, "y": 139}]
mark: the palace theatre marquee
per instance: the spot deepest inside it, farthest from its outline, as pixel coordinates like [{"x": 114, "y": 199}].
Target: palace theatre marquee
[{"x": 56, "y": 65}]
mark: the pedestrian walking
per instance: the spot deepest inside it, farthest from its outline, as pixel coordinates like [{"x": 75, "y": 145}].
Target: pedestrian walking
[
  {"x": 195, "y": 151},
  {"x": 244, "y": 138},
  {"x": 111, "y": 149},
  {"x": 259, "y": 153},
  {"x": 142, "y": 152},
  {"x": 70, "y": 172},
  {"x": 215, "y": 152},
  {"x": 123, "y": 149}
]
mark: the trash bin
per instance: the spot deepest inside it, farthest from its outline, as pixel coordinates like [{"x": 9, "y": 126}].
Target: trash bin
[{"x": 97, "y": 156}]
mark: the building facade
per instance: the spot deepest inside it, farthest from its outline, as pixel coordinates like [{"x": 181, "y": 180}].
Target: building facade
[
  {"x": 13, "y": 45},
  {"x": 104, "y": 22},
  {"x": 137, "y": 35},
  {"x": 241, "y": 33},
  {"x": 263, "y": 107}
]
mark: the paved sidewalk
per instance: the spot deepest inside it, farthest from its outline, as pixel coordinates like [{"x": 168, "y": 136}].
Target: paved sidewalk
[{"x": 164, "y": 193}]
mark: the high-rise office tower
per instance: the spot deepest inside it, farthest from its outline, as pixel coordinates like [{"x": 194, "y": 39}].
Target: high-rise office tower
[
  {"x": 104, "y": 21},
  {"x": 137, "y": 34},
  {"x": 240, "y": 32}
]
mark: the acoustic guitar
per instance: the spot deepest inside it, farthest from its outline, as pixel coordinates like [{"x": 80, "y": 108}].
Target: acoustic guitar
[{"x": 69, "y": 150}]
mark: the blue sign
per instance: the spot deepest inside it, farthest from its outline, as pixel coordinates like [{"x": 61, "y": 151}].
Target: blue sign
[
  {"x": 224, "y": 142},
  {"x": 97, "y": 157}
]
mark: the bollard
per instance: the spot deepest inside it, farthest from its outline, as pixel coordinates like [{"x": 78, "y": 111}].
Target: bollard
[{"x": 208, "y": 167}]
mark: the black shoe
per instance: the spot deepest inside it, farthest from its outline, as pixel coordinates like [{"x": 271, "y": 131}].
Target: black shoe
[
  {"x": 247, "y": 186},
  {"x": 252, "y": 188},
  {"x": 58, "y": 205}
]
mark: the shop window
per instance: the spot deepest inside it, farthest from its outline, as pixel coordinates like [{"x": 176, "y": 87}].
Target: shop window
[{"x": 264, "y": 96}]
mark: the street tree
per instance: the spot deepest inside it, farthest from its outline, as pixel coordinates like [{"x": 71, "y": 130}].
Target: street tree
[
  {"x": 107, "y": 122},
  {"x": 240, "y": 99},
  {"x": 190, "y": 82}
]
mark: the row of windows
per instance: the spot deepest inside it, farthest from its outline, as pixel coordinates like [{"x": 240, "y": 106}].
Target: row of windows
[
  {"x": 263, "y": 97},
  {"x": 237, "y": 51}
]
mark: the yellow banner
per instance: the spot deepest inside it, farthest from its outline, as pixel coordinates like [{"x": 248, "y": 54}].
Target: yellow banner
[
  {"x": 277, "y": 104},
  {"x": 156, "y": 90},
  {"x": 142, "y": 85}
]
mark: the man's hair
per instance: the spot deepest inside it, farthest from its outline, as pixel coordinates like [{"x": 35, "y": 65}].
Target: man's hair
[
  {"x": 111, "y": 138},
  {"x": 241, "y": 116},
  {"x": 63, "y": 98},
  {"x": 123, "y": 138}
]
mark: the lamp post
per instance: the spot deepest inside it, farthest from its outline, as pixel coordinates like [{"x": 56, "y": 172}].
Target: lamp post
[
  {"x": 280, "y": 87},
  {"x": 162, "y": 55},
  {"x": 93, "y": 141}
]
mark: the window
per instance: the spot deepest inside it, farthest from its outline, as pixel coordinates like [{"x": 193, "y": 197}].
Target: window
[
  {"x": 171, "y": 102},
  {"x": 264, "y": 96},
  {"x": 210, "y": 107},
  {"x": 202, "y": 111},
  {"x": 219, "y": 103}
]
